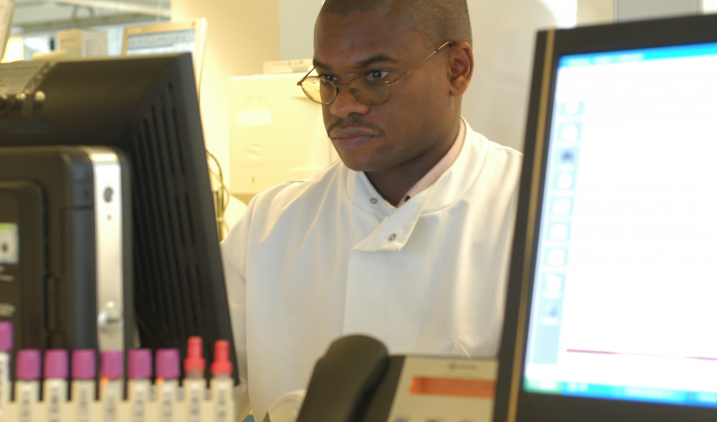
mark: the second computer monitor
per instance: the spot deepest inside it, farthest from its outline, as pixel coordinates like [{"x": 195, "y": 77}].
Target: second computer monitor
[
  {"x": 168, "y": 38},
  {"x": 612, "y": 284}
]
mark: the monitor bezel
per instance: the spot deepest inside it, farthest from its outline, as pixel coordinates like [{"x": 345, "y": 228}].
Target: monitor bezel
[{"x": 513, "y": 403}]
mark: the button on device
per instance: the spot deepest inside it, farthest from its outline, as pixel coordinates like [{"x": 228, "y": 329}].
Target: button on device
[
  {"x": 374, "y": 201},
  {"x": 110, "y": 319},
  {"x": 108, "y": 194},
  {"x": 392, "y": 237}
]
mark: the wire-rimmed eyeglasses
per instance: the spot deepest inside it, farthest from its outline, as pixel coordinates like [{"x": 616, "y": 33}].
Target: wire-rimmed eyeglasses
[{"x": 367, "y": 89}]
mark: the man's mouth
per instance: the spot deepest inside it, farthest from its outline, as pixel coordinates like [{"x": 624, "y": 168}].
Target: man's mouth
[{"x": 351, "y": 137}]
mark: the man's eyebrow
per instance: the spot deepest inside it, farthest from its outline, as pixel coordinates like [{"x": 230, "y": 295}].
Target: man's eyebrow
[
  {"x": 321, "y": 65},
  {"x": 363, "y": 63},
  {"x": 375, "y": 59}
]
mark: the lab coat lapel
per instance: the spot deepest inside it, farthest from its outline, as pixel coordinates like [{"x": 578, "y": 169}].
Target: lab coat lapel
[{"x": 398, "y": 223}]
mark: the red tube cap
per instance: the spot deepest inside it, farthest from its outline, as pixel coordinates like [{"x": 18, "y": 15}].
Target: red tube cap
[
  {"x": 221, "y": 364},
  {"x": 194, "y": 362}
]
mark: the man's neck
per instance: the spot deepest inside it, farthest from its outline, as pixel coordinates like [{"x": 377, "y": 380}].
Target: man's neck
[{"x": 393, "y": 184}]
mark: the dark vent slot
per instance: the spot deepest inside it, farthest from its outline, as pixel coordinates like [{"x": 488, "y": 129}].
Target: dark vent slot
[{"x": 167, "y": 275}]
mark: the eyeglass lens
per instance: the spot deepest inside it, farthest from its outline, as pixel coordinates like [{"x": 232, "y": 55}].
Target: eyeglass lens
[{"x": 366, "y": 91}]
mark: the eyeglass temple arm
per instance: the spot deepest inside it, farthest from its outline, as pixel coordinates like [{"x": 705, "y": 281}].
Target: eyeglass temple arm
[
  {"x": 305, "y": 76},
  {"x": 447, "y": 43}
]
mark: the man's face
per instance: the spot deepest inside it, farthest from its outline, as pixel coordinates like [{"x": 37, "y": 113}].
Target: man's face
[{"x": 416, "y": 117}]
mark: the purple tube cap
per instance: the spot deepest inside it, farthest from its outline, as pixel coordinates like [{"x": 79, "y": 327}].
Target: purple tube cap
[
  {"x": 56, "y": 364},
  {"x": 6, "y": 336},
  {"x": 168, "y": 364},
  {"x": 140, "y": 363},
  {"x": 83, "y": 364},
  {"x": 112, "y": 364},
  {"x": 29, "y": 362}
]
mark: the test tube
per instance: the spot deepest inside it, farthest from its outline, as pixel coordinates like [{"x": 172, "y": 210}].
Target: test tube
[
  {"x": 6, "y": 338},
  {"x": 83, "y": 383},
  {"x": 54, "y": 387},
  {"x": 112, "y": 370},
  {"x": 139, "y": 369},
  {"x": 222, "y": 384},
  {"x": 194, "y": 384},
  {"x": 27, "y": 385},
  {"x": 167, "y": 383}
]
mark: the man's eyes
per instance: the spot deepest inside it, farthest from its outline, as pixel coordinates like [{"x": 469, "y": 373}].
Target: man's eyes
[
  {"x": 376, "y": 75},
  {"x": 371, "y": 76},
  {"x": 327, "y": 78}
]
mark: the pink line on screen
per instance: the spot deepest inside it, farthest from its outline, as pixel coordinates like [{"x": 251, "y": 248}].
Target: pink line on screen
[{"x": 604, "y": 352}]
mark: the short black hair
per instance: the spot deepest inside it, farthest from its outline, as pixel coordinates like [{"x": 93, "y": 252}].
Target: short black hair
[{"x": 444, "y": 20}]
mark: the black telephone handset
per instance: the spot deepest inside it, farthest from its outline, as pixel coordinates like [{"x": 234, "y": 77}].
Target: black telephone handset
[{"x": 343, "y": 380}]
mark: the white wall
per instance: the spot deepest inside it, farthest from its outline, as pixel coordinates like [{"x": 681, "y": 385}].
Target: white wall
[
  {"x": 296, "y": 23},
  {"x": 593, "y": 12},
  {"x": 241, "y": 36},
  {"x": 496, "y": 103}
]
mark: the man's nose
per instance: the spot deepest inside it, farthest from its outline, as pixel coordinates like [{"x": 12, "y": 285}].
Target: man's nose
[{"x": 346, "y": 104}]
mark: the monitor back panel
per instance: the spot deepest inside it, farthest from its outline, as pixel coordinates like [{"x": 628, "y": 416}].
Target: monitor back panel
[
  {"x": 64, "y": 245},
  {"x": 147, "y": 108}
]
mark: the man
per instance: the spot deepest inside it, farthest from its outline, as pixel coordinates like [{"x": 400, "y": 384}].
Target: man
[{"x": 407, "y": 237}]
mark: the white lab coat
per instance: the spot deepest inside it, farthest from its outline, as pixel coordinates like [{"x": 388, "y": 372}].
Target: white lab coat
[{"x": 312, "y": 261}]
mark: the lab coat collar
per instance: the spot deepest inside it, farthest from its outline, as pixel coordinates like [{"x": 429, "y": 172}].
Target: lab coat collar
[{"x": 398, "y": 223}]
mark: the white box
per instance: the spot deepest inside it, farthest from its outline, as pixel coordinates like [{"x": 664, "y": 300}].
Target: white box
[
  {"x": 82, "y": 43},
  {"x": 630, "y": 10},
  {"x": 276, "y": 134},
  {"x": 288, "y": 66}
]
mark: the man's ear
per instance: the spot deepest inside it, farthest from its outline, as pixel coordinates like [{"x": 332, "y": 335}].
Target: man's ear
[{"x": 461, "y": 68}]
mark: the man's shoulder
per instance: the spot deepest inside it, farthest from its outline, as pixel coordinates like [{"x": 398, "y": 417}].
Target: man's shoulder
[
  {"x": 488, "y": 157},
  {"x": 282, "y": 196},
  {"x": 285, "y": 204},
  {"x": 492, "y": 147}
]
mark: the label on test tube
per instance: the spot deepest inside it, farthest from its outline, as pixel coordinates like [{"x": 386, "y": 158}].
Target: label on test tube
[
  {"x": 27, "y": 386},
  {"x": 83, "y": 384},
  {"x": 194, "y": 384},
  {"x": 55, "y": 385},
  {"x": 167, "y": 372},
  {"x": 222, "y": 383},
  {"x": 111, "y": 385},
  {"x": 138, "y": 389}
]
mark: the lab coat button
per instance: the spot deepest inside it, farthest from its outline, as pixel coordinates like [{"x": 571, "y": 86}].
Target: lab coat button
[
  {"x": 374, "y": 201},
  {"x": 392, "y": 237}
]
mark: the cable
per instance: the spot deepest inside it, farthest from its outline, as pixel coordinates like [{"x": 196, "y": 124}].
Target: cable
[{"x": 221, "y": 195}]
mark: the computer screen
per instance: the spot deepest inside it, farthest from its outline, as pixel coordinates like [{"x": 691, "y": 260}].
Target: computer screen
[
  {"x": 613, "y": 285},
  {"x": 146, "y": 107},
  {"x": 168, "y": 38}
]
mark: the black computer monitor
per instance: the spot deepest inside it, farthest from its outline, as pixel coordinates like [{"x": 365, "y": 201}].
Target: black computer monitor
[
  {"x": 147, "y": 107},
  {"x": 613, "y": 289}
]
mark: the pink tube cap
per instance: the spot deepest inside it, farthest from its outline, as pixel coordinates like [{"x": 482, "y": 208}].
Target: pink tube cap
[
  {"x": 56, "y": 364},
  {"x": 168, "y": 364},
  {"x": 139, "y": 363},
  {"x": 84, "y": 364},
  {"x": 112, "y": 364},
  {"x": 29, "y": 362},
  {"x": 6, "y": 336}
]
